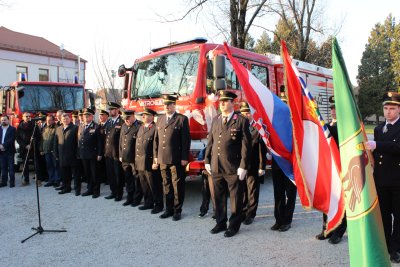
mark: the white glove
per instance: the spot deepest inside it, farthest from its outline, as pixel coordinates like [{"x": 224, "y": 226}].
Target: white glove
[
  {"x": 241, "y": 173},
  {"x": 261, "y": 172},
  {"x": 269, "y": 156},
  {"x": 370, "y": 145},
  {"x": 208, "y": 168}
]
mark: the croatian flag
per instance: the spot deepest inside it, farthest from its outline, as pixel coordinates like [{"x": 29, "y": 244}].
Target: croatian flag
[
  {"x": 316, "y": 161},
  {"x": 271, "y": 114}
]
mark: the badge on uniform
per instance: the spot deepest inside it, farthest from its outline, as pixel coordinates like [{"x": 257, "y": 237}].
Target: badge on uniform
[
  {"x": 118, "y": 126},
  {"x": 92, "y": 130}
]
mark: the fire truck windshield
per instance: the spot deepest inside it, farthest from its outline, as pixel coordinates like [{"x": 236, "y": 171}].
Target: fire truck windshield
[
  {"x": 168, "y": 74},
  {"x": 50, "y": 97}
]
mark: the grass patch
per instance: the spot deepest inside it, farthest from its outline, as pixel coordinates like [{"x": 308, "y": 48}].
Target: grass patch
[{"x": 369, "y": 128}]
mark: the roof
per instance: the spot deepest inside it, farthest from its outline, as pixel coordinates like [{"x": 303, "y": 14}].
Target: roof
[{"x": 21, "y": 42}]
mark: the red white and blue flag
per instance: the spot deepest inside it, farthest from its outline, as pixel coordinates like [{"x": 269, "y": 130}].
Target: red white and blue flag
[
  {"x": 316, "y": 161},
  {"x": 271, "y": 114}
]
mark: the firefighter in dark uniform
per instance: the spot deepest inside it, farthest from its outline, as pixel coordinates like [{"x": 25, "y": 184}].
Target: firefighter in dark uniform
[
  {"x": 256, "y": 169},
  {"x": 150, "y": 179},
  {"x": 114, "y": 169},
  {"x": 171, "y": 152},
  {"x": 386, "y": 151},
  {"x": 75, "y": 118},
  {"x": 127, "y": 144},
  {"x": 90, "y": 150},
  {"x": 227, "y": 160},
  {"x": 101, "y": 165}
]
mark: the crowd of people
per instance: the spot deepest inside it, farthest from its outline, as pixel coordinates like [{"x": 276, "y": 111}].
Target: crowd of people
[{"x": 148, "y": 159}]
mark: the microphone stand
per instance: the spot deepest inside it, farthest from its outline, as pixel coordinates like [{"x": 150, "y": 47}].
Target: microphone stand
[{"x": 39, "y": 229}]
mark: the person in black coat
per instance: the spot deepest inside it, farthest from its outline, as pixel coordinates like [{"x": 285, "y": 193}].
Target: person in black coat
[
  {"x": 171, "y": 152},
  {"x": 104, "y": 122},
  {"x": 25, "y": 131},
  {"x": 127, "y": 150},
  {"x": 90, "y": 150},
  {"x": 386, "y": 151},
  {"x": 150, "y": 179},
  {"x": 65, "y": 152},
  {"x": 256, "y": 169},
  {"x": 7, "y": 151},
  {"x": 112, "y": 133},
  {"x": 227, "y": 160}
]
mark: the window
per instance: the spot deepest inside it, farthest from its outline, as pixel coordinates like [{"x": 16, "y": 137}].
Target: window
[
  {"x": 261, "y": 73},
  {"x": 43, "y": 75},
  {"x": 22, "y": 70}
]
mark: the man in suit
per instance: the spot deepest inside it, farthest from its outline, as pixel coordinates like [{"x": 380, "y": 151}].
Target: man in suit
[
  {"x": 47, "y": 146},
  {"x": 103, "y": 124},
  {"x": 227, "y": 160},
  {"x": 65, "y": 151},
  {"x": 90, "y": 150},
  {"x": 127, "y": 144},
  {"x": 171, "y": 152},
  {"x": 150, "y": 179},
  {"x": 7, "y": 151},
  {"x": 386, "y": 151},
  {"x": 111, "y": 150},
  {"x": 75, "y": 118},
  {"x": 256, "y": 169}
]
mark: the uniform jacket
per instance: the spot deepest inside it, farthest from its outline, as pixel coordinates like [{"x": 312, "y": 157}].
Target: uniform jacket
[
  {"x": 127, "y": 141},
  {"x": 66, "y": 145},
  {"x": 387, "y": 156},
  {"x": 144, "y": 147},
  {"x": 228, "y": 145},
  {"x": 172, "y": 139},
  {"x": 112, "y": 133},
  {"x": 47, "y": 142},
  {"x": 90, "y": 143},
  {"x": 258, "y": 154},
  {"x": 9, "y": 140}
]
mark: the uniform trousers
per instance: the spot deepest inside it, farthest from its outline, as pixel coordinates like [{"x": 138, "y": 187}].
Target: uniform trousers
[
  {"x": 69, "y": 172},
  {"x": 251, "y": 195},
  {"x": 133, "y": 187},
  {"x": 152, "y": 188},
  {"x": 115, "y": 176},
  {"x": 285, "y": 197},
  {"x": 207, "y": 191},
  {"x": 89, "y": 168},
  {"x": 174, "y": 186}
]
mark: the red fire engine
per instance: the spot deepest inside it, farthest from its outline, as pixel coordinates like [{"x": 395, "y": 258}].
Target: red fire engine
[{"x": 186, "y": 70}]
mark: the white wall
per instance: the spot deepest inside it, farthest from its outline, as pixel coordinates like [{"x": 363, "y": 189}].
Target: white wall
[{"x": 59, "y": 70}]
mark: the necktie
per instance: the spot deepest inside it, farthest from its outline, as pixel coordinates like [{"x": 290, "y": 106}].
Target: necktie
[
  {"x": 168, "y": 119},
  {"x": 387, "y": 127},
  {"x": 225, "y": 120}
]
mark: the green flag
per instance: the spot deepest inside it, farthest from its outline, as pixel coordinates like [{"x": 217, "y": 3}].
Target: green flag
[{"x": 367, "y": 246}]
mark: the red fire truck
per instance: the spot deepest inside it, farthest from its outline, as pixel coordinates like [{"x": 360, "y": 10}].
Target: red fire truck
[
  {"x": 186, "y": 70},
  {"x": 22, "y": 96}
]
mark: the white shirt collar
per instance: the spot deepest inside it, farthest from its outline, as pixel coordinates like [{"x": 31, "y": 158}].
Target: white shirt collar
[{"x": 393, "y": 122}]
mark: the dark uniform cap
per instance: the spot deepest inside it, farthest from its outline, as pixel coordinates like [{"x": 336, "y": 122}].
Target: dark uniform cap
[
  {"x": 127, "y": 113},
  {"x": 391, "y": 98},
  {"x": 113, "y": 105},
  {"x": 41, "y": 114},
  {"x": 332, "y": 101},
  {"x": 226, "y": 95},
  {"x": 244, "y": 107},
  {"x": 103, "y": 112},
  {"x": 87, "y": 111},
  {"x": 168, "y": 99},
  {"x": 75, "y": 113},
  {"x": 149, "y": 111},
  {"x": 80, "y": 112}
]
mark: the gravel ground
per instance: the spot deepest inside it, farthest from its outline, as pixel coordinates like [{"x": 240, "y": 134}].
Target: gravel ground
[{"x": 104, "y": 233}]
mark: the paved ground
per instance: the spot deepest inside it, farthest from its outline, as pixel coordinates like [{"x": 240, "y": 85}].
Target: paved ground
[{"x": 104, "y": 233}]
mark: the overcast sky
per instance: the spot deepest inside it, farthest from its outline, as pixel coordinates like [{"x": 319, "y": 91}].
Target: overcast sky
[{"x": 127, "y": 29}]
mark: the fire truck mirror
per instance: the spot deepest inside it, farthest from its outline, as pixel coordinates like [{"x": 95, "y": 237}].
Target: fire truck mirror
[
  {"x": 200, "y": 100},
  {"x": 219, "y": 84},
  {"x": 219, "y": 67},
  {"x": 121, "y": 71}
]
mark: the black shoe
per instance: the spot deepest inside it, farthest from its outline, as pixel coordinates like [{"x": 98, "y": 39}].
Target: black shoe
[
  {"x": 87, "y": 193},
  {"x": 202, "y": 214},
  {"x": 12, "y": 185},
  {"x": 135, "y": 203},
  {"x": 118, "y": 199},
  {"x": 395, "y": 257},
  {"x": 176, "y": 216},
  {"x": 64, "y": 191},
  {"x": 248, "y": 221},
  {"x": 77, "y": 193},
  {"x": 95, "y": 195},
  {"x": 321, "y": 236},
  {"x": 229, "y": 233},
  {"x": 218, "y": 228},
  {"x": 3, "y": 184},
  {"x": 144, "y": 207},
  {"x": 156, "y": 210},
  {"x": 335, "y": 240},
  {"x": 285, "y": 227},
  {"x": 60, "y": 188},
  {"x": 214, "y": 217},
  {"x": 109, "y": 197},
  {"x": 127, "y": 203},
  {"x": 49, "y": 184},
  {"x": 56, "y": 184},
  {"x": 275, "y": 227},
  {"x": 166, "y": 214}
]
